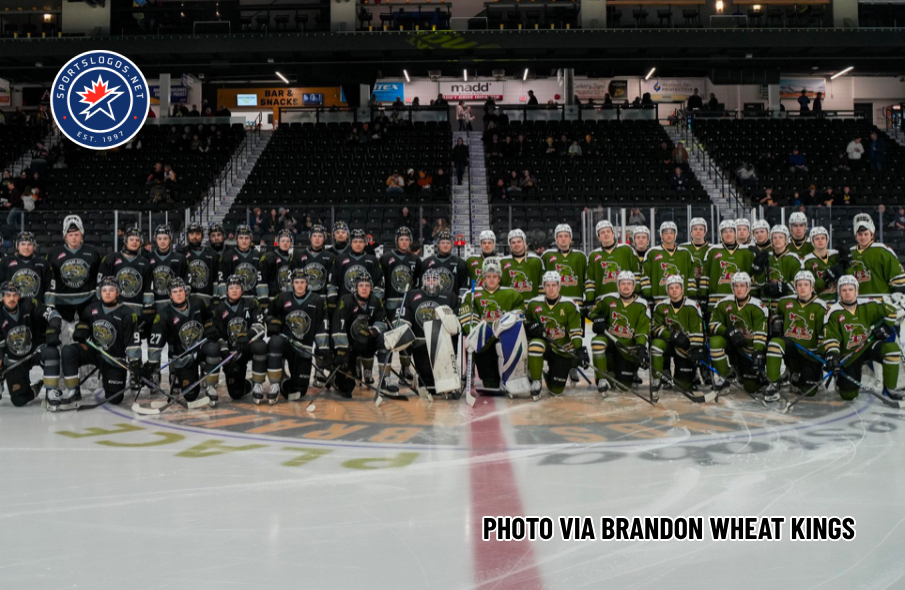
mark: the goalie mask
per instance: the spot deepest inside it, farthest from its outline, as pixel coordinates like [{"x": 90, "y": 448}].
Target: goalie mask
[
  {"x": 431, "y": 280},
  {"x": 73, "y": 223}
]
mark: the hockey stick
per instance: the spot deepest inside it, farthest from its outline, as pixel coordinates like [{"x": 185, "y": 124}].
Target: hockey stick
[
  {"x": 329, "y": 380},
  {"x": 389, "y": 359},
  {"x": 612, "y": 380},
  {"x": 826, "y": 378},
  {"x": 469, "y": 397},
  {"x": 22, "y": 361}
]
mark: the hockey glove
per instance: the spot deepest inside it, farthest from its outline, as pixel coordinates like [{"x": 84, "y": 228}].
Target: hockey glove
[
  {"x": 535, "y": 330},
  {"x": 599, "y": 326},
  {"x": 759, "y": 361},
  {"x": 582, "y": 356},
  {"x": 699, "y": 353},
  {"x": 135, "y": 367},
  {"x": 210, "y": 332},
  {"x": 243, "y": 345},
  {"x": 881, "y": 333},
  {"x": 52, "y": 336},
  {"x": 773, "y": 289},
  {"x": 148, "y": 314},
  {"x": 776, "y": 327},
  {"x": 340, "y": 358},
  {"x": 274, "y": 326},
  {"x": 760, "y": 262},
  {"x": 680, "y": 340},
  {"x": 151, "y": 372},
  {"x": 832, "y": 274},
  {"x": 81, "y": 333},
  {"x": 641, "y": 356},
  {"x": 736, "y": 338},
  {"x": 832, "y": 362}
]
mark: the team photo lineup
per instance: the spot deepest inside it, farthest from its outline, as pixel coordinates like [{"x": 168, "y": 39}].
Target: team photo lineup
[{"x": 773, "y": 312}]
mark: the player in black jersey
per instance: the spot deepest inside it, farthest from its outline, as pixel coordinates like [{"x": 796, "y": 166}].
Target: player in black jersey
[
  {"x": 166, "y": 265},
  {"x": 452, "y": 270},
  {"x": 132, "y": 272},
  {"x": 357, "y": 329},
  {"x": 24, "y": 269},
  {"x": 111, "y": 326},
  {"x": 317, "y": 262},
  {"x": 244, "y": 261},
  {"x": 203, "y": 263},
  {"x": 341, "y": 242},
  {"x": 354, "y": 264},
  {"x": 276, "y": 267},
  {"x": 401, "y": 272},
  {"x": 74, "y": 265},
  {"x": 216, "y": 237}
]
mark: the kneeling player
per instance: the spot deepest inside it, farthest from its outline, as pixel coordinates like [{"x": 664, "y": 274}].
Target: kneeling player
[
  {"x": 26, "y": 325},
  {"x": 798, "y": 321},
  {"x": 553, "y": 324},
  {"x": 235, "y": 321},
  {"x": 297, "y": 321},
  {"x": 862, "y": 330},
  {"x": 739, "y": 323},
  {"x": 621, "y": 322},
  {"x": 678, "y": 331},
  {"x": 112, "y": 327},
  {"x": 179, "y": 325},
  {"x": 358, "y": 326}
]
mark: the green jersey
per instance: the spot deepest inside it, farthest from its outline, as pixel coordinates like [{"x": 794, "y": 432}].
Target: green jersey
[
  {"x": 660, "y": 264},
  {"x": 488, "y": 306},
  {"x": 684, "y": 317},
  {"x": 848, "y": 326},
  {"x": 572, "y": 267},
  {"x": 697, "y": 256},
  {"x": 780, "y": 269},
  {"x": 605, "y": 264},
  {"x": 628, "y": 321},
  {"x": 817, "y": 266},
  {"x": 877, "y": 269},
  {"x": 801, "y": 249},
  {"x": 561, "y": 321},
  {"x": 720, "y": 263},
  {"x": 803, "y": 322},
  {"x": 523, "y": 275},
  {"x": 474, "y": 264},
  {"x": 749, "y": 316}
]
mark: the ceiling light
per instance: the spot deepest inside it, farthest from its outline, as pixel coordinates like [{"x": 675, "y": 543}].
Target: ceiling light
[
  {"x": 650, "y": 73},
  {"x": 282, "y": 77},
  {"x": 465, "y": 73},
  {"x": 845, "y": 71},
  {"x": 406, "y": 75},
  {"x": 525, "y": 77}
]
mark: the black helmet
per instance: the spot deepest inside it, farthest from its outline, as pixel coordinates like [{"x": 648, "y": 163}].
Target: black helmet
[
  {"x": 363, "y": 278},
  {"x": 340, "y": 226},
  {"x": 9, "y": 287},
  {"x": 234, "y": 280},
  {"x": 403, "y": 232},
  {"x": 298, "y": 274},
  {"x": 444, "y": 234},
  {"x": 243, "y": 230},
  {"x": 285, "y": 233},
  {"x": 110, "y": 282},
  {"x": 215, "y": 228},
  {"x": 358, "y": 234},
  {"x": 25, "y": 237},
  {"x": 194, "y": 228},
  {"x": 132, "y": 231},
  {"x": 317, "y": 228},
  {"x": 163, "y": 230},
  {"x": 177, "y": 283}
]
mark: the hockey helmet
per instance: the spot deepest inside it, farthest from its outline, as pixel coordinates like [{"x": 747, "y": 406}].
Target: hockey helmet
[
  {"x": 234, "y": 280},
  {"x": 798, "y": 218},
  {"x": 403, "y": 232},
  {"x": 551, "y": 276},
  {"x": 487, "y": 235},
  {"x": 492, "y": 265},
  {"x": 563, "y": 228},
  {"x": 847, "y": 280},
  {"x": 760, "y": 224},
  {"x": 864, "y": 221},
  {"x": 602, "y": 225},
  {"x": 243, "y": 230},
  {"x": 727, "y": 224},
  {"x": 698, "y": 221},
  {"x": 675, "y": 280},
  {"x": 317, "y": 228},
  {"x": 194, "y": 228},
  {"x": 363, "y": 278},
  {"x": 9, "y": 287},
  {"x": 667, "y": 226},
  {"x": 25, "y": 237},
  {"x": 177, "y": 283},
  {"x": 358, "y": 234},
  {"x": 516, "y": 233},
  {"x": 163, "y": 230},
  {"x": 818, "y": 231},
  {"x": 804, "y": 275},
  {"x": 73, "y": 223},
  {"x": 216, "y": 228},
  {"x": 445, "y": 235},
  {"x": 431, "y": 281},
  {"x": 285, "y": 233},
  {"x": 298, "y": 274},
  {"x": 641, "y": 229},
  {"x": 625, "y": 275},
  {"x": 340, "y": 226},
  {"x": 741, "y": 277},
  {"x": 742, "y": 221},
  {"x": 780, "y": 229},
  {"x": 109, "y": 282}
]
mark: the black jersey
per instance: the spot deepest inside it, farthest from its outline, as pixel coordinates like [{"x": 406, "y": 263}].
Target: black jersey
[
  {"x": 245, "y": 264},
  {"x": 203, "y": 265},
  {"x": 401, "y": 272},
  {"x": 31, "y": 274},
  {"x": 353, "y": 316},
  {"x": 453, "y": 271},
  {"x": 276, "y": 267},
  {"x": 178, "y": 330},
  {"x": 25, "y": 329},
  {"x": 113, "y": 329},
  {"x": 231, "y": 320},
  {"x": 347, "y": 269},
  {"x": 304, "y": 319},
  {"x": 318, "y": 265},
  {"x": 419, "y": 308},
  {"x": 165, "y": 267},
  {"x": 74, "y": 275},
  {"x": 340, "y": 249},
  {"x": 133, "y": 273}
]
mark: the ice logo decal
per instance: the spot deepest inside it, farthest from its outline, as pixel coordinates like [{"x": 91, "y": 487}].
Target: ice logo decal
[{"x": 100, "y": 99}]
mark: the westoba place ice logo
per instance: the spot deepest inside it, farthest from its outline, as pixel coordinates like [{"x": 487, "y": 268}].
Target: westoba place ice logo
[{"x": 100, "y": 99}]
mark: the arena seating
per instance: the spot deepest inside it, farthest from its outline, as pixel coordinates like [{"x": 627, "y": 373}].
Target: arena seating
[
  {"x": 313, "y": 169},
  {"x": 15, "y": 140},
  {"x": 627, "y": 172}
]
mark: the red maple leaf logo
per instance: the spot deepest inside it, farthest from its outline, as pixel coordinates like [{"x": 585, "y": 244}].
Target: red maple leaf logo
[
  {"x": 95, "y": 97},
  {"x": 98, "y": 91}
]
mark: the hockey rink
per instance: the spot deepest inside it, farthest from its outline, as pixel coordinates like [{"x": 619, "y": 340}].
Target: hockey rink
[{"x": 354, "y": 496}]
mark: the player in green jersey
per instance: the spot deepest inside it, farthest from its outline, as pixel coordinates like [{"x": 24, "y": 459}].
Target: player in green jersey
[
  {"x": 721, "y": 263},
  {"x": 876, "y": 266},
  {"x": 488, "y": 250},
  {"x": 760, "y": 232},
  {"x": 698, "y": 247},
  {"x": 570, "y": 264},
  {"x": 738, "y": 328},
  {"x": 522, "y": 269},
  {"x": 605, "y": 263},
  {"x": 775, "y": 270},
  {"x": 743, "y": 232},
  {"x": 824, "y": 263},
  {"x": 678, "y": 332},
  {"x": 641, "y": 242},
  {"x": 799, "y": 244},
  {"x": 664, "y": 261}
]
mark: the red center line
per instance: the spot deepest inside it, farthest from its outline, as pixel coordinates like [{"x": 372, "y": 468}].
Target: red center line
[{"x": 499, "y": 565}]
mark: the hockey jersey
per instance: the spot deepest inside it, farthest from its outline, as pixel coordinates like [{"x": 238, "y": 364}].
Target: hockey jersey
[
  {"x": 780, "y": 269},
  {"x": 133, "y": 273},
  {"x": 659, "y": 265},
  {"x": 353, "y": 317},
  {"x": 475, "y": 265},
  {"x": 31, "y": 274},
  {"x": 318, "y": 265},
  {"x": 489, "y": 305},
  {"x": 877, "y": 269},
  {"x": 247, "y": 265},
  {"x": 698, "y": 253},
  {"x": 276, "y": 267},
  {"x": 164, "y": 268},
  {"x": 803, "y": 322},
  {"x": 454, "y": 275},
  {"x": 561, "y": 320},
  {"x": 684, "y": 317},
  {"x": 801, "y": 249},
  {"x": 605, "y": 264},
  {"x": 203, "y": 268},
  {"x": 401, "y": 272},
  {"x": 74, "y": 275},
  {"x": 419, "y": 308},
  {"x": 572, "y": 267},
  {"x": 113, "y": 329},
  {"x": 305, "y": 320},
  {"x": 178, "y": 331},
  {"x": 627, "y": 320},
  {"x": 817, "y": 265},
  {"x": 720, "y": 263},
  {"x": 25, "y": 329},
  {"x": 847, "y": 327},
  {"x": 347, "y": 269},
  {"x": 749, "y": 316},
  {"x": 523, "y": 275},
  {"x": 232, "y": 320}
]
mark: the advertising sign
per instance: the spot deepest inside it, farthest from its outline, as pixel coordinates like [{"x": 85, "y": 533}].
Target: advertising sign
[
  {"x": 472, "y": 90},
  {"x": 672, "y": 89}
]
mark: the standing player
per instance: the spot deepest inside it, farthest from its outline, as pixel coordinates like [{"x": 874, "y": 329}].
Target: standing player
[
  {"x": 166, "y": 265},
  {"x": 825, "y": 264},
  {"x": 678, "y": 333},
  {"x": 721, "y": 263},
  {"x": 276, "y": 267},
  {"x": 203, "y": 265},
  {"x": 554, "y": 325},
  {"x": 488, "y": 250},
  {"x": 354, "y": 264},
  {"x": 522, "y": 269},
  {"x": 641, "y": 242},
  {"x": 799, "y": 320},
  {"x": 341, "y": 242},
  {"x": 26, "y": 325},
  {"x": 75, "y": 265},
  {"x": 401, "y": 272},
  {"x": 30, "y": 273},
  {"x": 132, "y": 272},
  {"x": 760, "y": 230},
  {"x": 738, "y": 328},
  {"x": 799, "y": 244},
  {"x": 874, "y": 265},
  {"x": 743, "y": 232},
  {"x": 571, "y": 265},
  {"x": 775, "y": 270},
  {"x": 662, "y": 262},
  {"x": 112, "y": 327},
  {"x": 317, "y": 262},
  {"x": 244, "y": 261},
  {"x": 451, "y": 269},
  {"x": 698, "y": 248},
  {"x": 216, "y": 237},
  {"x": 622, "y": 326},
  {"x": 607, "y": 262},
  {"x": 357, "y": 332}
]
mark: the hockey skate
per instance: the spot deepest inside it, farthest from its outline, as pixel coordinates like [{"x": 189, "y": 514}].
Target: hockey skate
[
  {"x": 603, "y": 388},
  {"x": 574, "y": 377},
  {"x": 257, "y": 394},
  {"x": 367, "y": 375},
  {"x": 211, "y": 393},
  {"x": 70, "y": 399},
  {"x": 535, "y": 390},
  {"x": 52, "y": 399},
  {"x": 655, "y": 389},
  {"x": 771, "y": 393},
  {"x": 273, "y": 396}
]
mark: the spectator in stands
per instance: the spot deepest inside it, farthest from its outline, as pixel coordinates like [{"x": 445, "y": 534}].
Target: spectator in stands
[
  {"x": 460, "y": 159},
  {"x": 840, "y": 163},
  {"x": 795, "y": 201},
  {"x": 425, "y": 181},
  {"x": 489, "y": 111},
  {"x": 398, "y": 105},
  {"x": 14, "y": 204},
  {"x": 589, "y": 145},
  {"x": 258, "y": 223},
  {"x": 828, "y": 198},
  {"x": 646, "y": 100},
  {"x": 509, "y": 148},
  {"x": 513, "y": 183},
  {"x": 495, "y": 148},
  {"x": 818, "y": 104},
  {"x": 550, "y": 146},
  {"x": 416, "y": 103},
  {"x": 532, "y": 100},
  {"x": 395, "y": 183},
  {"x": 574, "y": 149},
  {"x": 527, "y": 183},
  {"x": 804, "y": 102},
  {"x": 156, "y": 176},
  {"x": 411, "y": 182},
  {"x": 521, "y": 146},
  {"x": 664, "y": 154},
  {"x": 563, "y": 145},
  {"x": 424, "y": 229},
  {"x": 767, "y": 162},
  {"x": 607, "y": 101},
  {"x": 499, "y": 189},
  {"x": 713, "y": 104},
  {"x": 797, "y": 162},
  {"x": 636, "y": 217},
  {"x": 439, "y": 225},
  {"x": 287, "y": 221},
  {"x": 854, "y": 151},
  {"x": 680, "y": 154},
  {"x": 169, "y": 175},
  {"x": 695, "y": 101},
  {"x": 460, "y": 116},
  {"x": 810, "y": 199},
  {"x": 441, "y": 102},
  {"x": 273, "y": 222},
  {"x": 746, "y": 176},
  {"x": 194, "y": 112},
  {"x": 196, "y": 143},
  {"x": 635, "y": 103},
  {"x": 407, "y": 220},
  {"x": 877, "y": 153},
  {"x": 884, "y": 218},
  {"x": 899, "y": 222},
  {"x": 847, "y": 197},
  {"x": 767, "y": 200},
  {"x": 441, "y": 182}
]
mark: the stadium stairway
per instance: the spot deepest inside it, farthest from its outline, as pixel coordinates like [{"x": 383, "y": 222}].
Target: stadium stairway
[
  {"x": 461, "y": 198},
  {"x": 257, "y": 144},
  {"x": 708, "y": 179},
  {"x": 477, "y": 173}
]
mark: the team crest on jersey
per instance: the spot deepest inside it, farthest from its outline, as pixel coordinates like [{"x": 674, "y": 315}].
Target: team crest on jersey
[
  {"x": 28, "y": 282},
  {"x": 19, "y": 340},
  {"x": 566, "y": 274},
  {"x": 860, "y": 271},
  {"x": 401, "y": 277},
  {"x": 492, "y": 310},
  {"x": 426, "y": 312},
  {"x": 74, "y": 272},
  {"x": 249, "y": 275},
  {"x": 161, "y": 276},
  {"x": 100, "y": 99},
  {"x": 552, "y": 327},
  {"x": 130, "y": 282},
  {"x": 317, "y": 276},
  {"x": 352, "y": 274},
  {"x": 103, "y": 333},
  {"x": 740, "y": 323},
  {"x": 13, "y": 263},
  {"x": 798, "y": 328},
  {"x": 299, "y": 323},
  {"x": 189, "y": 333},
  {"x": 199, "y": 274},
  {"x": 668, "y": 269},
  {"x": 235, "y": 327},
  {"x": 446, "y": 278},
  {"x": 519, "y": 281},
  {"x": 727, "y": 269},
  {"x": 619, "y": 326},
  {"x": 611, "y": 270},
  {"x": 857, "y": 334}
]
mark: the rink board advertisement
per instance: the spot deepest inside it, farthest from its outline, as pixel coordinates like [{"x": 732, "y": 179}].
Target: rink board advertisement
[
  {"x": 792, "y": 87},
  {"x": 672, "y": 89}
]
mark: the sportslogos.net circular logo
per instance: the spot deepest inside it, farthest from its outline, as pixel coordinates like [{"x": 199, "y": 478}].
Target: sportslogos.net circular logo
[{"x": 100, "y": 99}]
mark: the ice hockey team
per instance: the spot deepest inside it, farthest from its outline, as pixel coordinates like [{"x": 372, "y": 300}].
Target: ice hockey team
[{"x": 773, "y": 309}]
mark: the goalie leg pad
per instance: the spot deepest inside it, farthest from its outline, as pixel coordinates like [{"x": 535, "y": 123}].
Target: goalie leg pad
[
  {"x": 442, "y": 354},
  {"x": 481, "y": 338},
  {"x": 398, "y": 338},
  {"x": 449, "y": 319},
  {"x": 513, "y": 350}
]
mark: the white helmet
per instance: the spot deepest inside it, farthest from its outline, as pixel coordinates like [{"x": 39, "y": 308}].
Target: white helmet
[
  {"x": 668, "y": 225},
  {"x": 863, "y": 220},
  {"x": 563, "y": 228},
  {"x": 487, "y": 235},
  {"x": 675, "y": 280},
  {"x": 492, "y": 265},
  {"x": 516, "y": 233},
  {"x": 641, "y": 229},
  {"x": 798, "y": 218},
  {"x": 818, "y": 231},
  {"x": 70, "y": 221},
  {"x": 604, "y": 225},
  {"x": 760, "y": 224},
  {"x": 804, "y": 275},
  {"x": 625, "y": 275},
  {"x": 551, "y": 276},
  {"x": 741, "y": 277},
  {"x": 742, "y": 221},
  {"x": 727, "y": 224},
  {"x": 846, "y": 280},
  {"x": 697, "y": 221},
  {"x": 779, "y": 229}
]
